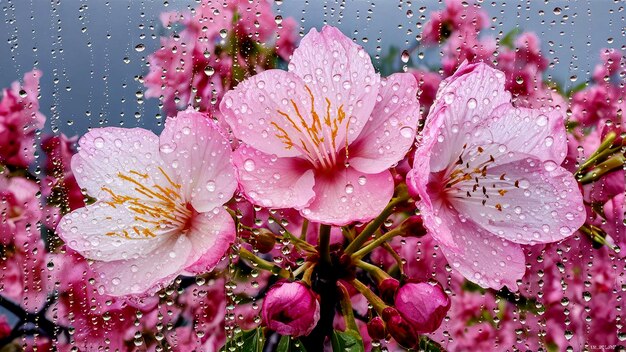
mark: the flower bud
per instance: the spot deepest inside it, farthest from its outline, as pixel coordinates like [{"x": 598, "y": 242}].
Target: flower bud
[
  {"x": 264, "y": 241},
  {"x": 422, "y": 305},
  {"x": 400, "y": 329},
  {"x": 376, "y": 329},
  {"x": 291, "y": 308},
  {"x": 413, "y": 227},
  {"x": 387, "y": 289}
]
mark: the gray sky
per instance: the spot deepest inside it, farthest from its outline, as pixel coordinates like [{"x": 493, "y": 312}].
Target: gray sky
[{"x": 81, "y": 45}]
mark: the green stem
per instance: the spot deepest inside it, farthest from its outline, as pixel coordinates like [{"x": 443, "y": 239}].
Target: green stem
[
  {"x": 605, "y": 167},
  {"x": 375, "y": 243},
  {"x": 395, "y": 256},
  {"x": 263, "y": 264},
  {"x": 305, "y": 228},
  {"x": 304, "y": 245},
  {"x": 606, "y": 144},
  {"x": 346, "y": 308},
  {"x": 375, "y": 224},
  {"x": 377, "y": 273},
  {"x": 301, "y": 269},
  {"x": 307, "y": 274},
  {"x": 378, "y": 303},
  {"x": 324, "y": 243}
]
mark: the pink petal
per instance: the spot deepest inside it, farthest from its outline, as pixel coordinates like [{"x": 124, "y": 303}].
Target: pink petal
[
  {"x": 347, "y": 195},
  {"x": 261, "y": 112},
  {"x": 211, "y": 234},
  {"x": 334, "y": 67},
  {"x": 390, "y": 132},
  {"x": 274, "y": 182},
  {"x": 198, "y": 156},
  {"x": 485, "y": 259},
  {"x": 464, "y": 99},
  {"x": 541, "y": 202},
  {"x": 105, "y": 152},
  {"x": 531, "y": 131},
  {"x": 147, "y": 273},
  {"x": 85, "y": 231}
]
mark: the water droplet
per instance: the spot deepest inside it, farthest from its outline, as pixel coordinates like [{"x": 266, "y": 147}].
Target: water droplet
[
  {"x": 249, "y": 165},
  {"x": 140, "y": 47}
]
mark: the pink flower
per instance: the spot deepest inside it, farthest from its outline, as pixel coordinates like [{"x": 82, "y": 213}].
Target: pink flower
[
  {"x": 291, "y": 308},
  {"x": 19, "y": 119},
  {"x": 611, "y": 62},
  {"x": 464, "y": 46},
  {"x": 458, "y": 16},
  {"x": 422, "y": 305},
  {"x": 321, "y": 137},
  {"x": 489, "y": 177},
  {"x": 159, "y": 210}
]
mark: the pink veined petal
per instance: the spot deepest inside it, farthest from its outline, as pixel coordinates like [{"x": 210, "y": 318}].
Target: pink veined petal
[
  {"x": 440, "y": 221},
  {"x": 465, "y": 99},
  {"x": 99, "y": 231},
  {"x": 198, "y": 155},
  {"x": 485, "y": 259},
  {"x": 271, "y": 111},
  {"x": 106, "y": 152},
  {"x": 274, "y": 182},
  {"x": 529, "y": 131},
  {"x": 390, "y": 131},
  {"x": 210, "y": 234},
  {"x": 539, "y": 203},
  {"x": 337, "y": 69},
  {"x": 348, "y": 195},
  {"x": 147, "y": 273}
]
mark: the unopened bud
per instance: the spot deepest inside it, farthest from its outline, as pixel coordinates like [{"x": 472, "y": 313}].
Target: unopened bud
[
  {"x": 264, "y": 241},
  {"x": 388, "y": 288},
  {"x": 376, "y": 329},
  {"x": 413, "y": 227}
]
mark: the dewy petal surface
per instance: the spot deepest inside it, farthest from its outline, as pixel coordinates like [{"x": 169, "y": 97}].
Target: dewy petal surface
[
  {"x": 349, "y": 195},
  {"x": 485, "y": 259},
  {"x": 198, "y": 156},
  {"x": 106, "y": 152},
  {"x": 390, "y": 131},
  {"x": 274, "y": 182},
  {"x": 211, "y": 234},
  {"x": 341, "y": 71}
]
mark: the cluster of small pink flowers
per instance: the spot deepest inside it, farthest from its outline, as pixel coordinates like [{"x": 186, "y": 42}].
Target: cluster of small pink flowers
[{"x": 323, "y": 206}]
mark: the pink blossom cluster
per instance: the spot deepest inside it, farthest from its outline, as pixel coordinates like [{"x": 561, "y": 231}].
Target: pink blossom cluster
[{"x": 322, "y": 207}]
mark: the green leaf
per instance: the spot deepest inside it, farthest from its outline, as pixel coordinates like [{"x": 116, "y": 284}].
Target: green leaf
[
  {"x": 509, "y": 38},
  {"x": 347, "y": 341},
  {"x": 287, "y": 344},
  {"x": 575, "y": 89},
  {"x": 428, "y": 345},
  {"x": 246, "y": 341}
]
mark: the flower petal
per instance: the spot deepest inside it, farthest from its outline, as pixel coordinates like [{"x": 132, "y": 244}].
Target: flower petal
[
  {"x": 211, "y": 234},
  {"x": 334, "y": 67},
  {"x": 198, "y": 155},
  {"x": 106, "y": 152},
  {"x": 274, "y": 182},
  {"x": 464, "y": 99},
  {"x": 349, "y": 195},
  {"x": 102, "y": 232},
  {"x": 147, "y": 273},
  {"x": 485, "y": 259},
  {"x": 531, "y": 131},
  {"x": 390, "y": 132},
  {"x": 268, "y": 111},
  {"x": 539, "y": 202}
]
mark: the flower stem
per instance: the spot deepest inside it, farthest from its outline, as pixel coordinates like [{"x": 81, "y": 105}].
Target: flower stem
[
  {"x": 305, "y": 228},
  {"x": 263, "y": 264},
  {"x": 604, "y": 168},
  {"x": 375, "y": 224},
  {"x": 302, "y": 244},
  {"x": 346, "y": 308},
  {"x": 378, "y": 303},
  {"x": 600, "y": 152},
  {"x": 377, "y": 273},
  {"x": 375, "y": 243},
  {"x": 324, "y": 243}
]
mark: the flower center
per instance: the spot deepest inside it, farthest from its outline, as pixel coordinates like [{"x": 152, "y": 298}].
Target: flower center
[
  {"x": 161, "y": 208},
  {"x": 316, "y": 140},
  {"x": 468, "y": 179}
]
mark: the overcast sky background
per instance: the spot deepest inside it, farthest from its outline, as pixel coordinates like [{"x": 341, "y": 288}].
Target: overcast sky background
[{"x": 82, "y": 44}]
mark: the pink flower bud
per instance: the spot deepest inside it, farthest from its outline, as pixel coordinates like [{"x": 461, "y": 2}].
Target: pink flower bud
[
  {"x": 422, "y": 305},
  {"x": 413, "y": 227},
  {"x": 400, "y": 329},
  {"x": 376, "y": 329},
  {"x": 388, "y": 288},
  {"x": 291, "y": 308}
]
